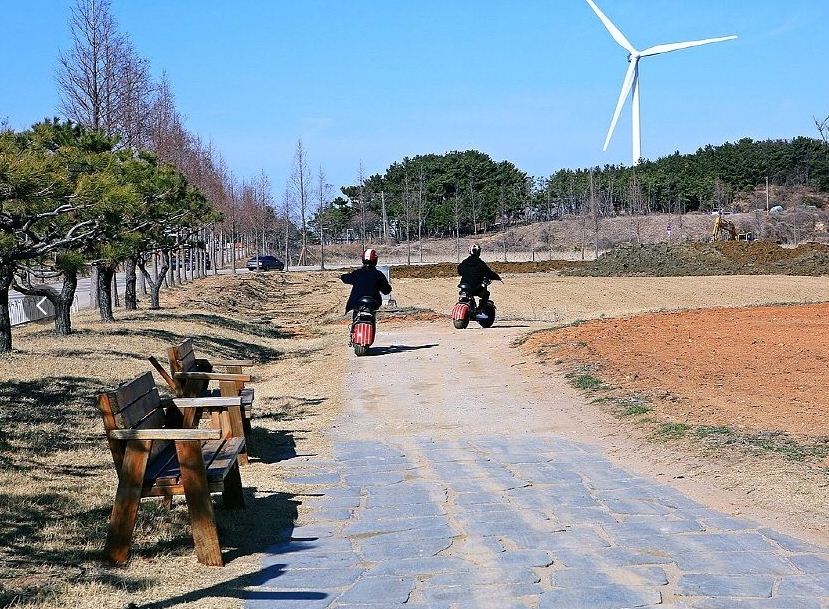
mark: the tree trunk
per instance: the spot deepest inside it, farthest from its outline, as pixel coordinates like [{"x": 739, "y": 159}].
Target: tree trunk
[
  {"x": 130, "y": 293},
  {"x": 6, "y": 275},
  {"x": 156, "y": 283},
  {"x": 105, "y": 274},
  {"x": 115, "y": 299},
  {"x": 63, "y": 304}
]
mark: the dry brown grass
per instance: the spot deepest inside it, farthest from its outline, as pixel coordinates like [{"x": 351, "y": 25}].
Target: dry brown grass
[{"x": 57, "y": 477}]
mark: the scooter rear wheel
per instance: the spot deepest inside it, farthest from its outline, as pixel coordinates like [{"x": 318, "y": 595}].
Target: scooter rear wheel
[
  {"x": 460, "y": 324},
  {"x": 360, "y": 350}
]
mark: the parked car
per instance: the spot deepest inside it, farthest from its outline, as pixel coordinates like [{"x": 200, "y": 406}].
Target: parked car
[{"x": 265, "y": 263}]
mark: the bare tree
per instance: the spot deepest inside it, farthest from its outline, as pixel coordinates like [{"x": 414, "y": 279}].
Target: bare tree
[
  {"x": 594, "y": 216},
  {"x": 361, "y": 206},
  {"x": 407, "y": 215},
  {"x": 286, "y": 208},
  {"x": 420, "y": 201},
  {"x": 323, "y": 192},
  {"x": 822, "y": 128},
  {"x": 87, "y": 72},
  {"x": 635, "y": 208},
  {"x": 300, "y": 181}
]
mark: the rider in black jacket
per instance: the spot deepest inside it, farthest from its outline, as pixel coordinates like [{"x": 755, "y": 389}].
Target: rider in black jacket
[
  {"x": 366, "y": 281},
  {"x": 474, "y": 271}
]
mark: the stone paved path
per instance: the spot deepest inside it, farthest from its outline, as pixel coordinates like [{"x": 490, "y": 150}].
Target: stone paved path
[{"x": 499, "y": 518}]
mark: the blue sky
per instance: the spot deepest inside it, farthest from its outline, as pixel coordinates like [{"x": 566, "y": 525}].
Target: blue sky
[{"x": 534, "y": 82}]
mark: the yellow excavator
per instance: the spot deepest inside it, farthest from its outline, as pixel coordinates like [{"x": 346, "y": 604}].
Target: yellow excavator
[{"x": 724, "y": 230}]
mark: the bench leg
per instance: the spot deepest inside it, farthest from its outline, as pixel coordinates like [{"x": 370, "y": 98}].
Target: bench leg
[
  {"x": 127, "y": 499},
  {"x": 199, "y": 504},
  {"x": 237, "y": 428},
  {"x": 232, "y": 493}
]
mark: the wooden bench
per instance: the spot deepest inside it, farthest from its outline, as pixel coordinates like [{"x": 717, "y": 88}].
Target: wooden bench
[
  {"x": 190, "y": 376},
  {"x": 158, "y": 452}
]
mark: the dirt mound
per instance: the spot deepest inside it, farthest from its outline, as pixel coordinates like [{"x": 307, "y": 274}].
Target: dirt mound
[
  {"x": 450, "y": 269},
  {"x": 723, "y": 258}
]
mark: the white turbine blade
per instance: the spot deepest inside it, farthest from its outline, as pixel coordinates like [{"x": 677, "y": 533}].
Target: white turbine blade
[
  {"x": 678, "y": 46},
  {"x": 628, "y": 82},
  {"x": 614, "y": 31}
]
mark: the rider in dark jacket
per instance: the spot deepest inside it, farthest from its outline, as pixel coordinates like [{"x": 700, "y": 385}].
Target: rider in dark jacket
[
  {"x": 366, "y": 281},
  {"x": 474, "y": 271}
]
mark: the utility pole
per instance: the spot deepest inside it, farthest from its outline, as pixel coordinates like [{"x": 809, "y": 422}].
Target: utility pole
[{"x": 767, "y": 194}]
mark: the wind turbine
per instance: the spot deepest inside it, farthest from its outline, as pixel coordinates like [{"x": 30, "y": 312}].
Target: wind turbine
[{"x": 632, "y": 75}]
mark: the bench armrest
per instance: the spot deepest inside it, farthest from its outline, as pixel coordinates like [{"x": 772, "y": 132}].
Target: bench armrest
[
  {"x": 217, "y": 402},
  {"x": 165, "y": 434},
  {"x": 213, "y": 376},
  {"x": 242, "y": 363}
]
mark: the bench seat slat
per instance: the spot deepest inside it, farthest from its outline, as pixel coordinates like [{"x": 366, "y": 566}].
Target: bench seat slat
[
  {"x": 219, "y": 456},
  {"x": 224, "y": 459}
]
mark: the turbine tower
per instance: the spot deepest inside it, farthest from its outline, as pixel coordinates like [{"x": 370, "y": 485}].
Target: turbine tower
[{"x": 632, "y": 76}]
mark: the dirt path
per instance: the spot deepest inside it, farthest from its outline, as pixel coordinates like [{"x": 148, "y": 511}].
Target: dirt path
[{"x": 463, "y": 477}]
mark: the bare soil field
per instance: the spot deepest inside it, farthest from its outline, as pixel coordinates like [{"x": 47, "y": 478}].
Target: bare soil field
[{"x": 755, "y": 369}]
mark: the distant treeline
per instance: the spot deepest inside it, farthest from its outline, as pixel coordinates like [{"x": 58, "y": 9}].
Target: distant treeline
[{"x": 468, "y": 192}]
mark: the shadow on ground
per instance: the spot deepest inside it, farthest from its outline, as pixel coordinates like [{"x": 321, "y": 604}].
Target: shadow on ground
[
  {"x": 280, "y": 511},
  {"x": 391, "y": 349},
  {"x": 45, "y": 415}
]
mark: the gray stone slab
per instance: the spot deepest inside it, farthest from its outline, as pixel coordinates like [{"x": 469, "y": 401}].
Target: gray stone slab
[
  {"x": 515, "y": 559},
  {"x": 485, "y": 576},
  {"x": 378, "y": 552},
  {"x": 804, "y": 585},
  {"x": 502, "y": 596},
  {"x": 731, "y": 586},
  {"x": 727, "y": 523},
  {"x": 811, "y": 563},
  {"x": 417, "y": 510},
  {"x": 787, "y": 542},
  {"x": 790, "y": 602},
  {"x": 616, "y": 557},
  {"x": 436, "y": 531},
  {"x": 381, "y": 591},
  {"x": 310, "y": 579},
  {"x": 612, "y": 596},
  {"x": 316, "y": 560},
  {"x": 287, "y": 599},
  {"x": 704, "y": 542},
  {"x": 478, "y": 498},
  {"x": 581, "y": 537},
  {"x": 636, "y": 530},
  {"x": 366, "y": 524},
  {"x": 734, "y": 563},
  {"x": 374, "y": 479},
  {"x": 592, "y": 578},
  {"x": 425, "y": 566}
]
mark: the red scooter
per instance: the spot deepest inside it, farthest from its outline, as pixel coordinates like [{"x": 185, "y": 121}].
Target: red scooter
[
  {"x": 363, "y": 327},
  {"x": 466, "y": 310}
]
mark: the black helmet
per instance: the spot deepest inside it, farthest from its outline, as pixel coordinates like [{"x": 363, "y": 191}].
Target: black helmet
[{"x": 475, "y": 250}]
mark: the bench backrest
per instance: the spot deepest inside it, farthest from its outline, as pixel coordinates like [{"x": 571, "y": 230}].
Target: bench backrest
[
  {"x": 183, "y": 359},
  {"x": 134, "y": 405}
]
